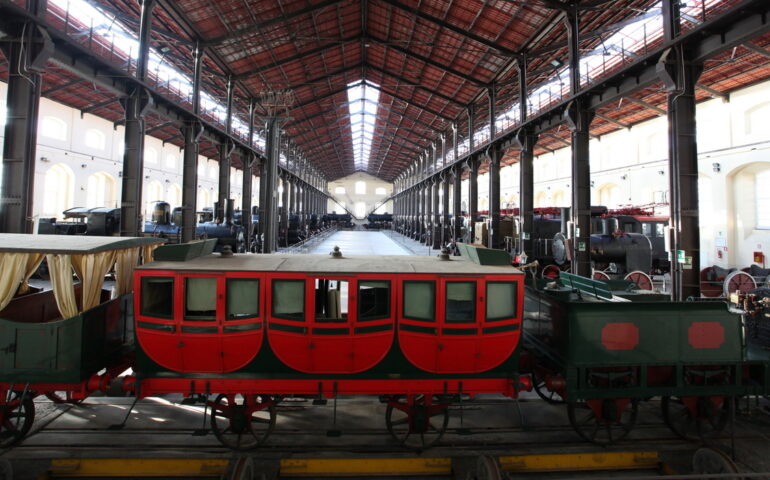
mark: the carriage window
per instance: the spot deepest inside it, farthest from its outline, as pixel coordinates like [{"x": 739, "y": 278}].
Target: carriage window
[
  {"x": 200, "y": 299},
  {"x": 158, "y": 297},
  {"x": 420, "y": 300},
  {"x": 647, "y": 229},
  {"x": 660, "y": 229},
  {"x": 501, "y": 300},
  {"x": 460, "y": 302},
  {"x": 289, "y": 299},
  {"x": 242, "y": 298},
  {"x": 373, "y": 300},
  {"x": 331, "y": 299}
]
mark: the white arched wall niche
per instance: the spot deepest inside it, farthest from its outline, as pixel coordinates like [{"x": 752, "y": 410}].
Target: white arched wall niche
[
  {"x": 101, "y": 190},
  {"x": 745, "y": 201},
  {"x": 58, "y": 189}
]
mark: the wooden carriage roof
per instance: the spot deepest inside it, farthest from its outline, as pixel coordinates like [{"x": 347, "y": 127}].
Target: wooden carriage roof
[
  {"x": 325, "y": 264},
  {"x": 69, "y": 244}
]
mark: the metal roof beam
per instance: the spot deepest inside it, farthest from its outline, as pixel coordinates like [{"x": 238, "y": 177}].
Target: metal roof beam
[
  {"x": 459, "y": 30},
  {"x": 294, "y": 58},
  {"x": 63, "y": 86},
  {"x": 254, "y": 28},
  {"x": 714, "y": 93},
  {"x": 317, "y": 99},
  {"x": 97, "y": 106},
  {"x": 410, "y": 102},
  {"x": 428, "y": 61},
  {"x": 612, "y": 120},
  {"x": 757, "y": 49},
  {"x": 414, "y": 85},
  {"x": 659, "y": 111}
]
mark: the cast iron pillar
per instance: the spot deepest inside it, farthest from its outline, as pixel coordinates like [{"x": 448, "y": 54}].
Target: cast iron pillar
[
  {"x": 526, "y": 140},
  {"x": 225, "y": 150},
  {"x": 473, "y": 196},
  {"x": 135, "y": 106},
  {"x": 579, "y": 119},
  {"x": 192, "y": 130},
  {"x": 436, "y": 219},
  {"x": 428, "y": 217},
  {"x": 27, "y": 57},
  {"x": 445, "y": 228},
  {"x": 495, "y": 155},
  {"x": 268, "y": 187},
  {"x": 249, "y": 160},
  {"x": 679, "y": 76},
  {"x": 284, "y": 212},
  {"x": 457, "y": 203}
]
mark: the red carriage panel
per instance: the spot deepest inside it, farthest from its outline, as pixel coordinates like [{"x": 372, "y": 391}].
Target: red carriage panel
[
  {"x": 195, "y": 323},
  {"x": 330, "y": 325},
  {"x": 462, "y": 325}
]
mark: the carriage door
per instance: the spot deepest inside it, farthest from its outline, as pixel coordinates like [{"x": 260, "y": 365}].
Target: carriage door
[
  {"x": 331, "y": 343},
  {"x": 242, "y": 327},
  {"x": 460, "y": 302},
  {"x": 199, "y": 337}
]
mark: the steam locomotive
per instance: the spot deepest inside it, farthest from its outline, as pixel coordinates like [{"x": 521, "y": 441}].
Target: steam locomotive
[
  {"x": 379, "y": 221},
  {"x": 82, "y": 221}
]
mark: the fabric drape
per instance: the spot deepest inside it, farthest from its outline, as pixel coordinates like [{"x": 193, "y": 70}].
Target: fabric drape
[
  {"x": 147, "y": 252},
  {"x": 11, "y": 274},
  {"x": 60, "y": 269},
  {"x": 33, "y": 262},
  {"x": 91, "y": 270},
  {"x": 125, "y": 262}
]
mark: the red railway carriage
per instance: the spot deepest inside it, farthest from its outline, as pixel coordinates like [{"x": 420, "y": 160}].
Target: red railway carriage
[{"x": 258, "y": 327}]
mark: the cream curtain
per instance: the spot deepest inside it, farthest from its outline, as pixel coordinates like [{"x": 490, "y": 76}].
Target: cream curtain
[
  {"x": 11, "y": 274},
  {"x": 60, "y": 269},
  {"x": 125, "y": 261},
  {"x": 91, "y": 270},
  {"x": 33, "y": 262},
  {"x": 147, "y": 252}
]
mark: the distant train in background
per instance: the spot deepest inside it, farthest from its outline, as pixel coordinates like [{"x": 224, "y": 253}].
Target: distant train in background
[
  {"x": 101, "y": 221},
  {"x": 379, "y": 221}
]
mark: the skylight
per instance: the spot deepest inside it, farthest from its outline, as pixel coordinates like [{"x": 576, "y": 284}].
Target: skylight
[
  {"x": 122, "y": 39},
  {"x": 363, "y": 101}
]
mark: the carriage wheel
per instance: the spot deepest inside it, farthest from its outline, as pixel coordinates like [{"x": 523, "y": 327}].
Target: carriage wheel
[
  {"x": 695, "y": 418},
  {"x": 603, "y": 421},
  {"x": 641, "y": 279},
  {"x": 551, "y": 396},
  {"x": 550, "y": 272},
  {"x": 16, "y": 417},
  {"x": 599, "y": 275},
  {"x": 242, "y": 422},
  {"x": 55, "y": 397},
  {"x": 412, "y": 421},
  {"x": 738, "y": 281}
]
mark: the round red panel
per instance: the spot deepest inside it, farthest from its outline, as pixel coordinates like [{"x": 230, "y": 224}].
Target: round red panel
[
  {"x": 706, "y": 335},
  {"x": 620, "y": 336}
]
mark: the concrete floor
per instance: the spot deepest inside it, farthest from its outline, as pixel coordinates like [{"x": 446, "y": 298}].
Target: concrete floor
[{"x": 361, "y": 242}]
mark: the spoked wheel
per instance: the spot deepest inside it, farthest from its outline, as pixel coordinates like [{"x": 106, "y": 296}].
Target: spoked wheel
[
  {"x": 599, "y": 275},
  {"x": 696, "y": 418},
  {"x": 551, "y": 396},
  {"x": 242, "y": 422},
  {"x": 603, "y": 421},
  {"x": 16, "y": 417},
  {"x": 738, "y": 281},
  {"x": 641, "y": 279},
  {"x": 417, "y": 421},
  {"x": 63, "y": 397}
]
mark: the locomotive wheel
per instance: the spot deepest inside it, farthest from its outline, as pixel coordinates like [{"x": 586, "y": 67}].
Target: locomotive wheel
[
  {"x": 696, "y": 418},
  {"x": 67, "y": 398},
  {"x": 242, "y": 422},
  {"x": 16, "y": 417},
  {"x": 412, "y": 421},
  {"x": 641, "y": 279},
  {"x": 603, "y": 421},
  {"x": 550, "y": 272},
  {"x": 599, "y": 275},
  {"x": 738, "y": 281},
  {"x": 552, "y": 397}
]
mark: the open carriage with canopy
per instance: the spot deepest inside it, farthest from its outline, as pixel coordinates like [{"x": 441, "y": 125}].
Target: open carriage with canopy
[{"x": 72, "y": 339}]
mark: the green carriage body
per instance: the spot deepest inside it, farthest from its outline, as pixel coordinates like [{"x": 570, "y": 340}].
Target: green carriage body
[{"x": 608, "y": 341}]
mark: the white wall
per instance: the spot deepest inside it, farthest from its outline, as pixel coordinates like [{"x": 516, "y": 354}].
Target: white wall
[{"x": 350, "y": 198}]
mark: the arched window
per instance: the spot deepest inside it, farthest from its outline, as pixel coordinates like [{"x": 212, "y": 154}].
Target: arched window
[
  {"x": 154, "y": 194},
  {"x": 360, "y": 187},
  {"x": 609, "y": 195},
  {"x": 762, "y": 180},
  {"x": 53, "y": 127},
  {"x": 174, "y": 195},
  {"x": 58, "y": 187},
  {"x": 100, "y": 190},
  {"x": 213, "y": 169},
  {"x": 360, "y": 209},
  {"x": 95, "y": 139},
  {"x": 203, "y": 198},
  {"x": 150, "y": 156},
  {"x": 201, "y": 168},
  {"x": 558, "y": 199},
  {"x": 541, "y": 199}
]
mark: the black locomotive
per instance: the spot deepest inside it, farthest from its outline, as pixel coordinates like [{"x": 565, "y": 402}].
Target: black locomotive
[{"x": 104, "y": 222}]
